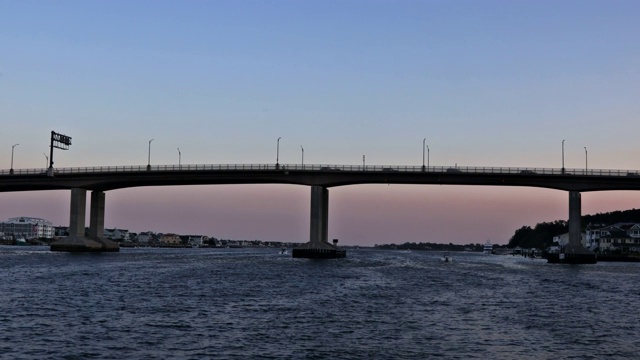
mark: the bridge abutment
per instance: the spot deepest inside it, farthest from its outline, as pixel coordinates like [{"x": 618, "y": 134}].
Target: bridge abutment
[
  {"x": 77, "y": 241},
  {"x": 318, "y": 246}
]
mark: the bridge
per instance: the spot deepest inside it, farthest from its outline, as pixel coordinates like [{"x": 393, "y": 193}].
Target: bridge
[{"x": 320, "y": 178}]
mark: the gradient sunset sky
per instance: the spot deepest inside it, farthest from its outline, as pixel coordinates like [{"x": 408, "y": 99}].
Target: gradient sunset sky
[{"x": 487, "y": 83}]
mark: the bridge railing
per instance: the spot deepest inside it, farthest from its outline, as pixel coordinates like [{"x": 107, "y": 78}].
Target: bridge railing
[{"x": 326, "y": 167}]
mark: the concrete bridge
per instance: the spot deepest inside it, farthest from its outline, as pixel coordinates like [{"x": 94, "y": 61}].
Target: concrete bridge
[{"x": 320, "y": 178}]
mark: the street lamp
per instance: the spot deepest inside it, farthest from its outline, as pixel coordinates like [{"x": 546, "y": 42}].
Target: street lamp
[
  {"x": 586, "y": 164},
  {"x": 46, "y": 162},
  {"x": 179, "y": 159},
  {"x": 278, "y": 153},
  {"x": 149, "y": 158},
  {"x": 12, "y": 147},
  {"x": 423, "y": 145},
  {"x": 563, "y": 156},
  {"x": 427, "y": 156},
  {"x": 302, "y": 156}
]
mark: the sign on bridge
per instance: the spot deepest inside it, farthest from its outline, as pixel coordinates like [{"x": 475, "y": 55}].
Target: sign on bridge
[{"x": 60, "y": 141}]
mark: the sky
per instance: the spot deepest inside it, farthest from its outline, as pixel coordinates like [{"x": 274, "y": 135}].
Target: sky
[{"x": 486, "y": 83}]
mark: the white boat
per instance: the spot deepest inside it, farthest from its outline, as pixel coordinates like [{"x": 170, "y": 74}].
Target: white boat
[
  {"x": 488, "y": 247},
  {"x": 446, "y": 257},
  {"x": 283, "y": 251}
]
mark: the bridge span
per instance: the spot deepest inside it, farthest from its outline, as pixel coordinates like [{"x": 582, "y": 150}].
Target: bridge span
[{"x": 320, "y": 178}]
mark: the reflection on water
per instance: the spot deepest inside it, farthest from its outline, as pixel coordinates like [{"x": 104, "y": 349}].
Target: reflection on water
[{"x": 249, "y": 303}]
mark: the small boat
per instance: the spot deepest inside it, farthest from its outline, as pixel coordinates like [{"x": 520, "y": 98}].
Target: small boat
[
  {"x": 283, "y": 251},
  {"x": 447, "y": 258}
]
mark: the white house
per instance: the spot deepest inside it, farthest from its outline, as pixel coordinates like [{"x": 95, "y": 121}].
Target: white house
[
  {"x": 563, "y": 240},
  {"x": 624, "y": 237},
  {"x": 145, "y": 237},
  {"x": 116, "y": 234},
  {"x": 27, "y": 227},
  {"x": 197, "y": 239}
]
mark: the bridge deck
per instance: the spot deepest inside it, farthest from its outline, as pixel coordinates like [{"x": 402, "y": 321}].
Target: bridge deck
[{"x": 105, "y": 178}]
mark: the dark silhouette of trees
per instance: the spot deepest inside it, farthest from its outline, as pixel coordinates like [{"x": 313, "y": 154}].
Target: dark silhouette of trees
[{"x": 542, "y": 235}]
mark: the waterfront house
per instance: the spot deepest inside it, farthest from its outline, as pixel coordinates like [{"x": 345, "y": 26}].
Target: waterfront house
[
  {"x": 170, "y": 239},
  {"x": 146, "y": 237},
  {"x": 197, "y": 240},
  {"x": 563, "y": 240},
  {"x": 619, "y": 237},
  {"x": 116, "y": 234},
  {"x": 27, "y": 227}
]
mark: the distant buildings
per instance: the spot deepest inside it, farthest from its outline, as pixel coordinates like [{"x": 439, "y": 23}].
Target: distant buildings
[
  {"x": 563, "y": 240},
  {"x": 170, "y": 239},
  {"x": 27, "y": 228},
  {"x": 620, "y": 238},
  {"x": 116, "y": 234}
]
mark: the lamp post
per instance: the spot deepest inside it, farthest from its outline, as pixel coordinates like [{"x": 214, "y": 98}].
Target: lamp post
[
  {"x": 363, "y": 162},
  {"x": 12, "y": 147},
  {"x": 46, "y": 161},
  {"x": 179, "y": 159},
  {"x": 302, "y": 156},
  {"x": 586, "y": 163},
  {"x": 427, "y": 156},
  {"x": 149, "y": 157},
  {"x": 278, "y": 153},
  {"x": 563, "y": 156},
  {"x": 423, "y": 145}
]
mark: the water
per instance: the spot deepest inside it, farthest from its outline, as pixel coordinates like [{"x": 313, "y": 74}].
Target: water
[{"x": 258, "y": 304}]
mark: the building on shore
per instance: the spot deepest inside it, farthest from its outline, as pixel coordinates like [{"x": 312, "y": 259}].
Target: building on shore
[
  {"x": 27, "y": 227},
  {"x": 620, "y": 237},
  {"x": 170, "y": 239},
  {"x": 116, "y": 234},
  {"x": 563, "y": 240}
]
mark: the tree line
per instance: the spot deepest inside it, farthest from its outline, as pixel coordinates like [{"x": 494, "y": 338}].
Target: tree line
[
  {"x": 541, "y": 236},
  {"x": 538, "y": 237}
]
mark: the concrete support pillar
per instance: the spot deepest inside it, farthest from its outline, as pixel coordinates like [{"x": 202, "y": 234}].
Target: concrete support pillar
[
  {"x": 96, "y": 217},
  {"x": 77, "y": 212},
  {"x": 575, "y": 210},
  {"x": 318, "y": 246},
  {"x": 574, "y": 253},
  {"x": 76, "y": 241},
  {"x": 319, "y": 214}
]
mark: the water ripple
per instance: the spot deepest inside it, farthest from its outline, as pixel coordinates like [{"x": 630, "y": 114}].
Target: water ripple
[{"x": 254, "y": 303}]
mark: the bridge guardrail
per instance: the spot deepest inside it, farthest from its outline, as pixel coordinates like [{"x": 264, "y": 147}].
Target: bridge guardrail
[{"x": 327, "y": 167}]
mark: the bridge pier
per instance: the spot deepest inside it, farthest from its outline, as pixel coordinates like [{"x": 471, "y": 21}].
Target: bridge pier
[
  {"x": 574, "y": 252},
  {"x": 318, "y": 246},
  {"x": 77, "y": 241}
]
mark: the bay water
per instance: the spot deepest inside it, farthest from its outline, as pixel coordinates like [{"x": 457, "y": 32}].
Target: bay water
[{"x": 213, "y": 303}]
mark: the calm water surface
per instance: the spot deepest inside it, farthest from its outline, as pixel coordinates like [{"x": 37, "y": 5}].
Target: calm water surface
[{"x": 258, "y": 304}]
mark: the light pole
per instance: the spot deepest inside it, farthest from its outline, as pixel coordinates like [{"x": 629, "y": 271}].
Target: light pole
[
  {"x": 302, "y": 156},
  {"x": 12, "y": 147},
  {"x": 46, "y": 161},
  {"x": 427, "y": 156},
  {"x": 563, "y": 156},
  {"x": 423, "y": 145},
  {"x": 363, "y": 162},
  {"x": 586, "y": 164},
  {"x": 179, "y": 159},
  {"x": 278, "y": 153},
  {"x": 149, "y": 157}
]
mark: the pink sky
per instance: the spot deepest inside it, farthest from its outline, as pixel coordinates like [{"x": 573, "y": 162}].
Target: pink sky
[
  {"x": 358, "y": 215},
  {"x": 529, "y": 84}
]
